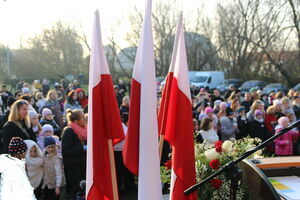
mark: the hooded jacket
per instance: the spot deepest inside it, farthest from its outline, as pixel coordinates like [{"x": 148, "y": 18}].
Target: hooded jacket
[{"x": 35, "y": 165}]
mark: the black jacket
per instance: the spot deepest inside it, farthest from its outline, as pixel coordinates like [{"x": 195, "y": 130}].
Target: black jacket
[
  {"x": 56, "y": 128},
  {"x": 10, "y": 130},
  {"x": 259, "y": 130},
  {"x": 243, "y": 125},
  {"x": 72, "y": 148}
]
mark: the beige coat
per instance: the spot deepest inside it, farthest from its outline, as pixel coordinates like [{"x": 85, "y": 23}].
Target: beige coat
[{"x": 53, "y": 171}]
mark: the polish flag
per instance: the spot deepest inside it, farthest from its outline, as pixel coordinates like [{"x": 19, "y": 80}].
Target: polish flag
[
  {"x": 179, "y": 126},
  {"x": 140, "y": 152},
  {"x": 104, "y": 124},
  {"x": 164, "y": 105}
]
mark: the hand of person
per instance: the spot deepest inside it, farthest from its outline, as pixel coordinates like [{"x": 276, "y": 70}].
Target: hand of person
[{"x": 57, "y": 191}]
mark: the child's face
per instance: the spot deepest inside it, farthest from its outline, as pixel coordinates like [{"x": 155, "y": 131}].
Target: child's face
[
  {"x": 242, "y": 113},
  {"x": 286, "y": 124},
  {"x": 51, "y": 148},
  {"x": 34, "y": 121},
  {"x": 33, "y": 152},
  {"x": 48, "y": 117},
  {"x": 48, "y": 133}
]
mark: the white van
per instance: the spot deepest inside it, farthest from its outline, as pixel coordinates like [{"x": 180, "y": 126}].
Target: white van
[{"x": 209, "y": 79}]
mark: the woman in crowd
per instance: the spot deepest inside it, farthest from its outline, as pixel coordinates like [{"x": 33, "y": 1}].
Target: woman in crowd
[
  {"x": 18, "y": 124},
  {"x": 229, "y": 126},
  {"x": 257, "y": 128},
  {"x": 74, "y": 149},
  {"x": 243, "y": 124},
  {"x": 54, "y": 105},
  {"x": 286, "y": 106},
  {"x": 72, "y": 101},
  {"x": 207, "y": 131},
  {"x": 83, "y": 100},
  {"x": 124, "y": 108},
  {"x": 257, "y": 105}
]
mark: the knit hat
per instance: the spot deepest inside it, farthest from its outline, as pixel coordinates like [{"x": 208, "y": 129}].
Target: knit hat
[
  {"x": 202, "y": 90},
  {"x": 17, "y": 146},
  {"x": 258, "y": 112},
  {"x": 240, "y": 109},
  {"x": 25, "y": 90},
  {"x": 49, "y": 141},
  {"x": 208, "y": 110},
  {"x": 32, "y": 114},
  {"x": 46, "y": 111},
  {"x": 47, "y": 127},
  {"x": 217, "y": 102},
  {"x": 276, "y": 102},
  {"x": 282, "y": 120}
]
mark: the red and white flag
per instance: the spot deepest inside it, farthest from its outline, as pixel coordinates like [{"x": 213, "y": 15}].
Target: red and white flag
[
  {"x": 164, "y": 105},
  {"x": 140, "y": 151},
  {"x": 179, "y": 126},
  {"x": 104, "y": 122}
]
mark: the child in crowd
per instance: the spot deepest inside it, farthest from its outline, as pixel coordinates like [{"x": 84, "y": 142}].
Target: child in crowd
[
  {"x": 243, "y": 123},
  {"x": 47, "y": 130},
  {"x": 35, "y": 128},
  {"x": 257, "y": 126},
  {"x": 207, "y": 131},
  {"x": 284, "y": 144},
  {"x": 53, "y": 171},
  {"x": 14, "y": 181},
  {"x": 47, "y": 118},
  {"x": 35, "y": 166}
]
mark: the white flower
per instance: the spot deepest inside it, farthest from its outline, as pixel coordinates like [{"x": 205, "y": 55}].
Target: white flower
[
  {"x": 227, "y": 146},
  {"x": 251, "y": 140},
  {"x": 211, "y": 154},
  {"x": 258, "y": 153}
]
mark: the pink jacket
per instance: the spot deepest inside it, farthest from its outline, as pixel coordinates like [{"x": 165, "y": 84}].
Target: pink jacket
[{"x": 284, "y": 144}]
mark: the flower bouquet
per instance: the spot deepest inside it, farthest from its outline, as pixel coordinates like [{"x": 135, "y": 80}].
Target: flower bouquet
[{"x": 209, "y": 158}]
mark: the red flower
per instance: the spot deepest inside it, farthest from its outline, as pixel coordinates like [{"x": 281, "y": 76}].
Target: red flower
[
  {"x": 168, "y": 164},
  {"x": 216, "y": 183},
  {"x": 218, "y": 146},
  {"x": 214, "y": 164}
]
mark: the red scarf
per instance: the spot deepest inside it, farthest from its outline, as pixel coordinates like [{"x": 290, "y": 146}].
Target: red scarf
[{"x": 80, "y": 132}]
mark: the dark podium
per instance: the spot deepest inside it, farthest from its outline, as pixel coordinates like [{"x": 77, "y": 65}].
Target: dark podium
[
  {"x": 257, "y": 182},
  {"x": 255, "y": 175}
]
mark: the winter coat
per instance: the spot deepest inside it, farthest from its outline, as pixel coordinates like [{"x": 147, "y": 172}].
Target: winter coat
[
  {"x": 284, "y": 144},
  {"x": 74, "y": 106},
  {"x": 53, "y": 171},
  {"x": 243, "y": 127},
  {"x": 35, "y": 165},
  {"x": 72, "y": 148},
  {"x": 297, "y": 111},
  {"x": 14, "y": 181},
  {"x": 227, "y": 129},
  {"x": 258, "y": 130},
  {"x": 271, "y": 122},
  {"x": 10, "y": 130},
  {"x": 55, "y": 107}
]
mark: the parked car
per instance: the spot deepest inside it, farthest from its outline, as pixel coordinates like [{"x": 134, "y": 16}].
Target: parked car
[
  {"x": 223, "y": 87},
  {"x": 259, "y": 85},
  {"x": 297, "y": 87},
  {"x": 202, "y": 79},
  {"x": 274, "y": 87}
]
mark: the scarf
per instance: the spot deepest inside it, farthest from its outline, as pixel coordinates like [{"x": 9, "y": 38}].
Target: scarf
[{"x": 80, "y": 132}]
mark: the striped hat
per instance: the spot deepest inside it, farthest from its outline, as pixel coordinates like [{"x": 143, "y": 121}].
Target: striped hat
[{"x": 17, "y": 146}]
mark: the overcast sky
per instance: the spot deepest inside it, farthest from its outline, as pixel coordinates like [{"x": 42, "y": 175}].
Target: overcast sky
[{"x": 21, "y": 19}]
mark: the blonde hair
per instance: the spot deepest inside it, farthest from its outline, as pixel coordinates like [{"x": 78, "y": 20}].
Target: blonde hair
[
  {"x": 285, "y": 100},
  {"x": 38, "y": 96},
  {"x": 50, "y": 93},
  {"x": 255, "y": 104},
  {"x": 271, "y": 110},
  {"x": 14, "y": 115}
]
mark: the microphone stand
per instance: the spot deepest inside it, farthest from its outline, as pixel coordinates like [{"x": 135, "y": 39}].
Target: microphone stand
[{"x": 231, "y": 169}]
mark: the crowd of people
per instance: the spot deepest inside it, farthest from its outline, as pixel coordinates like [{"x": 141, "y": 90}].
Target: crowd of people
[{"x": 48, "y": 129}]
